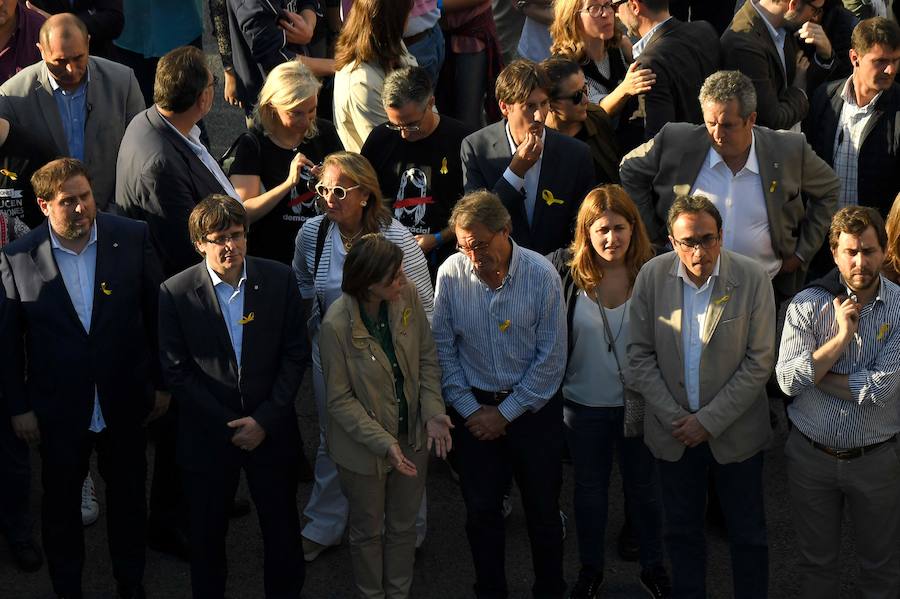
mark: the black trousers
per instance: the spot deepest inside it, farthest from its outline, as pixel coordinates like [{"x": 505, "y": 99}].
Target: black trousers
[
  {"x": 168, "y": 507},
  {"x": 123, "y": 467},
  {"x": 15, "y": 472},
  {"x": 273, "y": 488},
  {"x": 531, "y": 451}
]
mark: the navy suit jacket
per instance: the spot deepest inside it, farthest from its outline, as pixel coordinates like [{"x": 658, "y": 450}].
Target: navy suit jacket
[
  {"x": 51, "y": 364},
  {"x": 201, "y": 370},
  {"x": 567, "y": 175}
]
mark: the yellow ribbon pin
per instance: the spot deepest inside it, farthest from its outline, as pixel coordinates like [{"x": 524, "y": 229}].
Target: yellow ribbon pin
[
  {"x": 12, "y": 176},
  {"x": 247, "y": 319},
  {"x": 722, "y": 300},
  {"x": 106, "y": 290},
  {"x": 547, "y": 196},
  {"x": 504, "y": 325},
  {"x": 406, "y": 313},
  {"x": 444, "y": 170},
  {"x": 882, "y": 331},
  {"x": 773, "y": 186}
]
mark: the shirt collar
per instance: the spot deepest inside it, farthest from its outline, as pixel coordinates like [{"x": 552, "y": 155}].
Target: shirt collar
[
  {"x": 56, "y": 245},
  {"x": 513, "y": 264},
  {"x": 883, "y": 290},
  {"x": 512, "y": 144},
  {"x": 192, "y": 139},
  {"x": 216, "y": 279},
  {"x": 55, "y": 86},
  {"x": 777, "y": 34},
  {"x": 642, "y": 43},
  {"x": 752, "y": 164},
  {"x": 682, "y": 272},
  {"x": 849, "y": 97}
]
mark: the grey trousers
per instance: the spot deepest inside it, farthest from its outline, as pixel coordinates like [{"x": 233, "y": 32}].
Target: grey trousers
[{"x": 821, "y": 487}]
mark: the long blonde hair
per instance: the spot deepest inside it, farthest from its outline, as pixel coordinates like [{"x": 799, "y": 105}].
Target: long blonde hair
[
  {"x": 892, "y": 259},
  {"x": 585, "y": 265},
  {"x": 567, "y": 37}
]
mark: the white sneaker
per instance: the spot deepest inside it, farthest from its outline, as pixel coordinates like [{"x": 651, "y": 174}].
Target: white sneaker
[
  {"x": 90, "y": 509},
  {"x": 565, "y": 521}
]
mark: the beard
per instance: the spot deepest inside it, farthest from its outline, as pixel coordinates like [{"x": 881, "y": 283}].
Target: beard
[{"x": 73, "y": 231}]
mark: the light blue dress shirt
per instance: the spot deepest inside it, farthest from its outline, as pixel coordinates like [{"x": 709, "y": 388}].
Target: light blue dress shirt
[
  {"x": 231, "y": 303},
  {"x": 641, "y": 43},
  {"x": 73, "y": 112},
  {"x": 78, "y": 272},
  {"x": 693, "y": 318}
]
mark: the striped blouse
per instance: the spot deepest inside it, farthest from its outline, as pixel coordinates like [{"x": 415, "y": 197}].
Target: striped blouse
[
  {"x": 872, "y": 361},
  {"x": 313, "y": 285}
]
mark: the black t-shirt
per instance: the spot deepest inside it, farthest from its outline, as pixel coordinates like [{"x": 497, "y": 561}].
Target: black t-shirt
[
  {"x": 20, "y": 156},
  {"x": 420, "y": 180},
  {"x": 273, "y": 235}
]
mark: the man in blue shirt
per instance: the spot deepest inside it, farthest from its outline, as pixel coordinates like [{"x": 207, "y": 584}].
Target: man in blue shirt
[{"x": 499, "y": 325}]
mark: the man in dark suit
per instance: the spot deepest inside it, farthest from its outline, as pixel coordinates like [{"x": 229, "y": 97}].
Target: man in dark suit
[
  {"x": 233, "y": 348},
  {"x": 162, "y": 172},
  {"x": 540, "y": 175},
  {"x": 80, "y": 366},
  {"x": 763, "y": 42},
  {"x": 681, "y": 55},
  {"x": 853, "y": 122}
]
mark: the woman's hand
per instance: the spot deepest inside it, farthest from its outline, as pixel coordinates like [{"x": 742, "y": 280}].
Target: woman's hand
[
  {"x": 637, "y": 80},
  {"x": 439, "y": 437},
  {"x": 297, "y": 164},
  {"x": 231, "y": 89},
  {"x": 399, "y": 461}
]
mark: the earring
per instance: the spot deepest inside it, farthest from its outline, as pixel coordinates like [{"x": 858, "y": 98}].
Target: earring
[{"x": 363, "y": 203}]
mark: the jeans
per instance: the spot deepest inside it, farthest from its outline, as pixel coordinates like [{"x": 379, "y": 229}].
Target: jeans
[
  {"x": 593, "y": 434},
  {"x": 740, "y": 491},
  {"x": 429, "y": 52}
]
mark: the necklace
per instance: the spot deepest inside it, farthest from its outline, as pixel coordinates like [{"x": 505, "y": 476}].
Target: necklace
[
  {"x": 606, "y": 331},
  {"x": 348, "y": 241}
]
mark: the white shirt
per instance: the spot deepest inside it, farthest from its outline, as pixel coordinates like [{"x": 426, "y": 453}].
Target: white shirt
[
  {"x": 847, "y": 141},
  {"x": 193, "y": 142},
  {"x": 693, "y": 317},
  {"x": 529, "y": 184},
  {"x": 642, "y": 43},
  {"x": 78, "y": 273},
  {"x": 742, "y": 203}
]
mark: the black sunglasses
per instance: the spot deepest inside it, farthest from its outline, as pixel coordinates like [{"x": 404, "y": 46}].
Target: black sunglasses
[{"x": 576, "y": 98}]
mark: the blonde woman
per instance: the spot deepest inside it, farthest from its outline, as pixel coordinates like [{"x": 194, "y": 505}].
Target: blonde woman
[
  {"x": 585, "y": 31},
  {"x": 891, "y": 266},
  {"x": 277, "y": 158}
]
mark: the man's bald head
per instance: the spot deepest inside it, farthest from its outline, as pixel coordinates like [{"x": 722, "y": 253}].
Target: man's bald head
[
  {"x": 64, "y": 25},
  {"x": 64, "y": 48}
]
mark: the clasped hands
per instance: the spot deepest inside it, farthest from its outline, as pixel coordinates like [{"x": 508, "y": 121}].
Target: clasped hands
[
  {"x": 487, "y": 423},
  {"x": 249, "y": 433},
  {"x": 689, "y": 431}
]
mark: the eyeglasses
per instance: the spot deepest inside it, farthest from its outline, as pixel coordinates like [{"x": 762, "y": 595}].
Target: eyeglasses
[
  {"x": 476, "y": 247},
  {"x": 598, "y": 10},
  {"x": 577, "y": 97},
  {"x": 339, "y": 192},
  {"x": 233, "y": 239},
  {"x": 817, "y": 10},
  {"x": 690, "y": 245},
  {"x": 411, "y": 128}
]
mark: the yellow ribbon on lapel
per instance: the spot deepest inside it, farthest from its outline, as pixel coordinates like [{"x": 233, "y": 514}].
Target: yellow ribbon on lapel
[
  {"x": 106, "y": 290},
  {"x": 247, "y": 319},
  {"x": 444, "y": 169},
  {"x": 883, "y": 331},
  {"x": 547, "y": 196},
  {"x": 773, "y": 186},
  {"x": 504, "y": 325},
  {"x": 722, "y": 300},
  {"x": 405, "y": 317}
]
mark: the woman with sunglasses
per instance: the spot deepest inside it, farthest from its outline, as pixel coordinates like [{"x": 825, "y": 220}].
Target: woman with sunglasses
[
  {"x": 385, "y": 411},
  {"x": 275, "y": 161},
  {"x": 572, "y": 114},
  {"x": 353, "y": 207},
  {"x": 598, "y": 272},
  {"x": 585, "y": 31}
]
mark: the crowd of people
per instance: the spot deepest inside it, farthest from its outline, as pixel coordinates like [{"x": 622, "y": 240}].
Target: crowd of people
[{"x": 507, "y": 234}]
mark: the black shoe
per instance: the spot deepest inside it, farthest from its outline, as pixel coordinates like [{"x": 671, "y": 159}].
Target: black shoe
[
  {"x": 240, "y": 507},
  {"x": 655, "y": 581},
  {"x": 628, "y": 545},
  {"x": 27, "y": 555},
  {"x": 169, "y": 540},
  {"x": 588, "y": 585},
  {"x": 131, "y": 592}
]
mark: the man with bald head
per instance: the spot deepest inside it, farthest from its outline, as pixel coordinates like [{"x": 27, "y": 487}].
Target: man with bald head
[{"x": 79, "y": 104}]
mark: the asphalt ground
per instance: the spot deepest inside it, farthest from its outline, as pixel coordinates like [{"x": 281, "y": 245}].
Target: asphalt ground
[{"x": 444, "y": 567}]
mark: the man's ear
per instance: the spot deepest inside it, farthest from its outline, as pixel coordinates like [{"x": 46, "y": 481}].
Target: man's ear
[
  {"x": 44, "y": 205},
  {"x": 504, "y": 108}
]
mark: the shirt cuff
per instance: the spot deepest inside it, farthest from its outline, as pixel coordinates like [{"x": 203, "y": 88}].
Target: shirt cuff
[
  {"x": 511, "y": 409},
  {"x": 466, "y": 405},
  {"x": 824, "y": 65},
  {"x": 513, "y": 179}
]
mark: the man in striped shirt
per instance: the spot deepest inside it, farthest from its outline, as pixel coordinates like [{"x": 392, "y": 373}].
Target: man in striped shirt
[{"x": 839, "y": 357}]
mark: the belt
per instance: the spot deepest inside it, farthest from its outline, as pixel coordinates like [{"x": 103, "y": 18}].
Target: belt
[
  {"x": 847, "y": 454},
  {"x": 409, "y": 41},
  {"x": 491, "y": 398}
]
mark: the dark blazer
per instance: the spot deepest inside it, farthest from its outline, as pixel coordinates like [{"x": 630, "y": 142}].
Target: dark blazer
[
  {"x": 104, "y": 19},
  {"x": 159, "y": 180},
  {"x": 879, "y": 154},
  {"x": 201, "y": 371},
  {"x": 55, "y": 371},
  {"x": 567, "y": 172},
  {"x": 682, "y": 56},
  {"x": 748, "y": 47}
]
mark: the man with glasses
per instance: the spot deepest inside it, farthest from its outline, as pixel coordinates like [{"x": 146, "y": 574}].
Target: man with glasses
[
  {"x": 233, "y": 348},
  {"x": 764, "y": 41},
  {"x": 416, "y": 157},
  {"x": 681, "y": 55},
  {"x": 753, "y": 175},
  {"x": 702, "y": 348},
  {"x": 500, "y": 330}
]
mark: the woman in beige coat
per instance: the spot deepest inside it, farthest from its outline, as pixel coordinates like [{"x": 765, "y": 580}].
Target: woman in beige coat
[{"x": 385, "y": 412}]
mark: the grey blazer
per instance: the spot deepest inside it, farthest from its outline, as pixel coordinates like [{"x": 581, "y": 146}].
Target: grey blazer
[
  {"x": 113, "y": 99},
  {"x": 737, "y": 358},
  {"x": 801, "y": 190}
]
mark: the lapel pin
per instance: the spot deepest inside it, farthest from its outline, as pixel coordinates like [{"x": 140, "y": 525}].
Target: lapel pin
[
  {"x": 722, "y": 300},
  {"x": 256, "y": 288},
  {"x": 405, "y": 317},
  {"x": 247, "y": 319},
  {"x": 12, "y": 176},
  {"x": 883, "y": 331},
  {"x": 115, "y": 244},
  {"x": 106, "y": 290},
  {"x": 504, "y": 325},
  {"x": 547, "y": 196},
  {"x": 444, "y": 169},
  {"x": 773, "y": 186},
  {"x": 776, "y": 164}
]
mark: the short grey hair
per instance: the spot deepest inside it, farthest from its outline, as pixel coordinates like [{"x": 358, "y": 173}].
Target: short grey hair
[
  {"x": 723, "y": 86},
  {"x": 405, "y": 85},
  {"x": 483, "y": 207}
]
